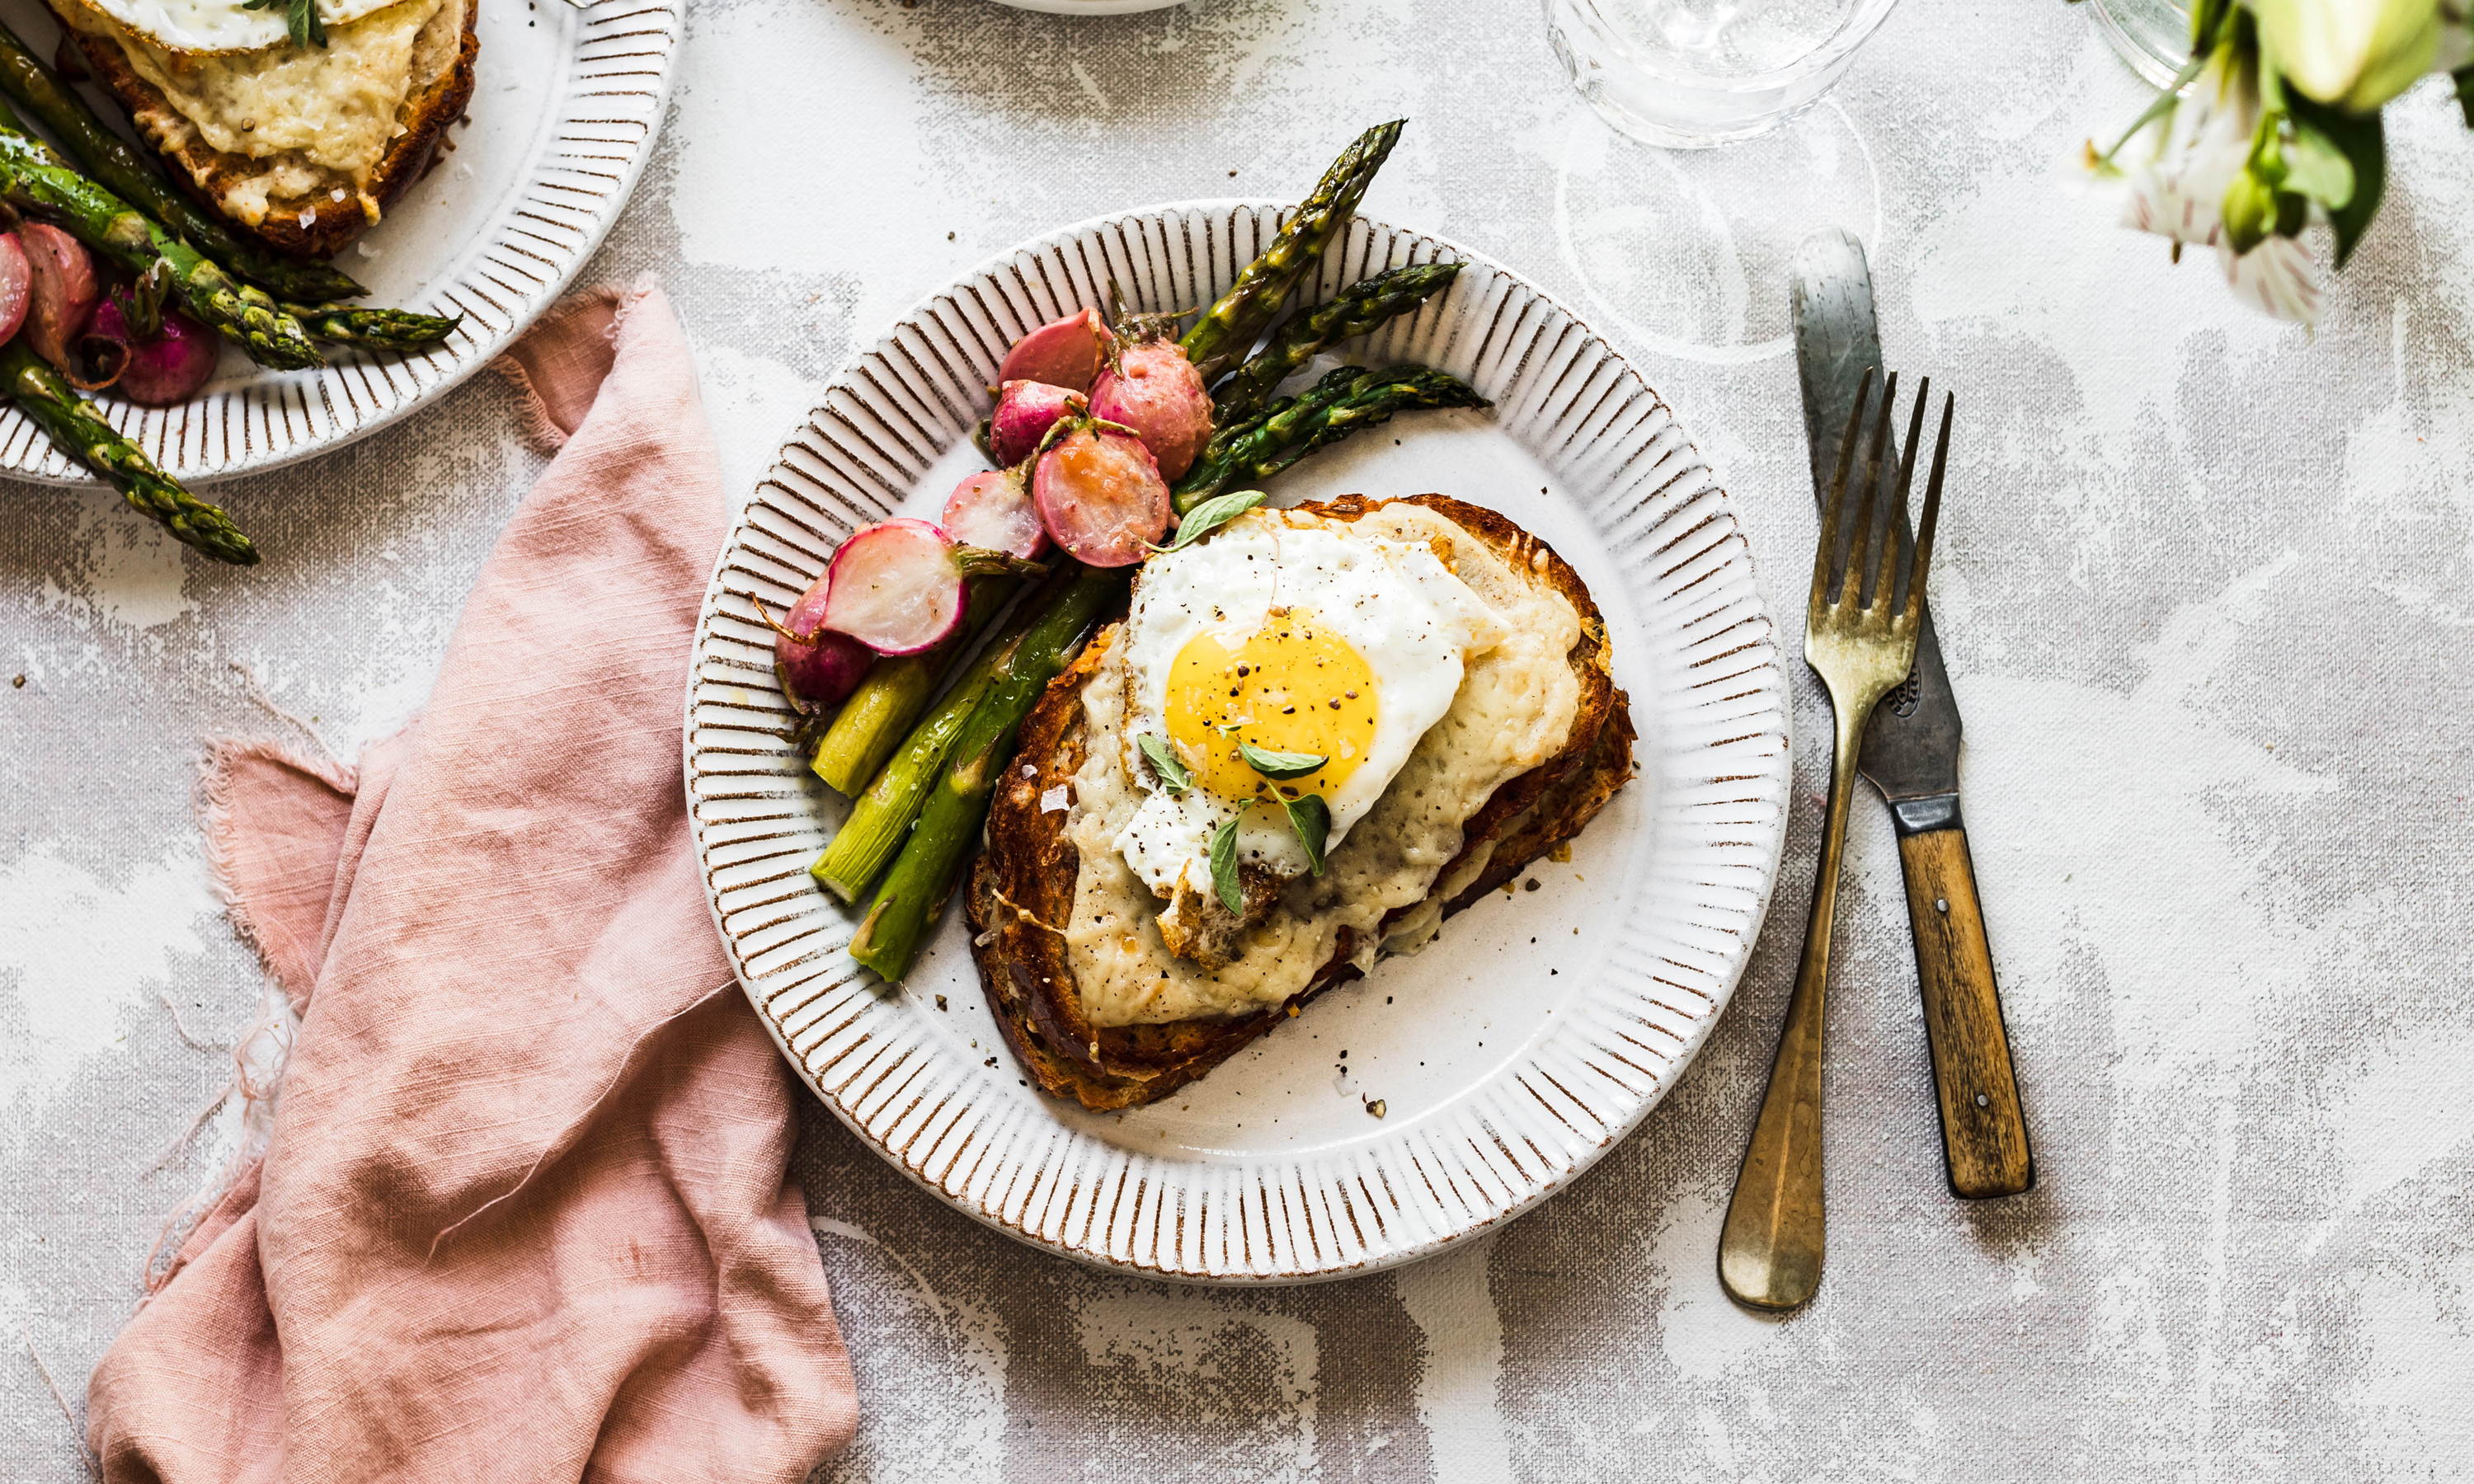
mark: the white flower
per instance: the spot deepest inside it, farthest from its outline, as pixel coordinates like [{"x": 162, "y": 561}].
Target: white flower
[
  {"x": 2276, "y": 278},
  {"x": 2181, "y": 194},
  {"x": 2351, "y": 53}
]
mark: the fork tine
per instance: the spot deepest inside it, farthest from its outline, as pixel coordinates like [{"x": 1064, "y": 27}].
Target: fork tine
[
  {"x": 1886, "y": 587},
  {"x": 1825, "y": 562},
  {"x": 1860, "y": 556},
  {"x": 1932, "y": 513}
]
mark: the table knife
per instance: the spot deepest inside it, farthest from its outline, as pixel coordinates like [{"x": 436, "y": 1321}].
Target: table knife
[{"x": 1910, "y": 754}]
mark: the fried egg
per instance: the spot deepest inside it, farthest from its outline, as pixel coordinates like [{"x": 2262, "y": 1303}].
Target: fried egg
[
  {"x": 1289, "y": 633},
  {"x": 205, "y": 27}
]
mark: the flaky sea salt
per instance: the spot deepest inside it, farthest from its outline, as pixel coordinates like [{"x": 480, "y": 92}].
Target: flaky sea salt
[{"x": 1054, "y": 801}]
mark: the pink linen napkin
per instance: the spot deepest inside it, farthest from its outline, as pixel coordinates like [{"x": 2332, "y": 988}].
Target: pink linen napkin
[{"x": 524, "y": 1213}]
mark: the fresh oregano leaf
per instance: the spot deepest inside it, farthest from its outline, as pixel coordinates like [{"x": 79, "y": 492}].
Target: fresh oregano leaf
[
  {"x": 1223, "y": 869},
  {"x": 1279, "y": 765},
  {"x": 302, "y": 22},
  {"x": 1311, "y": 818},
  {"x": 1166, "y": 765},
  {"x": 1210, "y": 515}
]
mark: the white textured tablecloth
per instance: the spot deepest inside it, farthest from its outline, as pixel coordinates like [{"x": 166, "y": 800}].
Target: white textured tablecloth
[{"x": 2204, "y": 591}]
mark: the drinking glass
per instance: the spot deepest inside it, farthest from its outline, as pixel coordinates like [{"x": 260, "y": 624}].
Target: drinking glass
[
  {"x": 2153, "y": 35},
  {"x": 1687, "y": 74}
]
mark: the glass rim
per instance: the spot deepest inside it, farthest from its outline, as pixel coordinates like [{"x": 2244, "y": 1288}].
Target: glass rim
[{"x": 1863, "y": 18}]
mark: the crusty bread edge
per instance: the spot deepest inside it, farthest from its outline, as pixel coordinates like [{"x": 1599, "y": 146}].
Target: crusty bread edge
[
  {"x": 1023, "y": 883},
  {"x": 407, "y": 158}
]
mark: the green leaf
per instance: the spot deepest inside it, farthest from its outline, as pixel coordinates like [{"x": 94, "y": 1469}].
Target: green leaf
[
  {"x": 1223, "y": 869},
  {"x": 2363, "y": 143},
  {"x": 2464, "y": 78},
  {"x": 1210, "y": 515},
  {"x": 1279, "y": 765},
  {"x": 302, "y": 22},
  {"x": 2314, "y": 167},
  {"x": 1311, "y": 818},
  {"x": 1165, "y": 764}
]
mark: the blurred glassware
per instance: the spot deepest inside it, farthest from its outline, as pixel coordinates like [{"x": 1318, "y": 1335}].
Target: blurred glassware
[
  {"x": 2153, "y": 35},
  {"x": 1687, "y": 74}
]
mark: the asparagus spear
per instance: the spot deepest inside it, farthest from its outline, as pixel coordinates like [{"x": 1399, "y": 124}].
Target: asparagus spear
[
  {"x": 914, "y": 890},
  {"x": 121, "y": 170},
  {"x": 33, "y": 174},
  {"x": 1352, "y": 312},
  {"x": 371, "y": 329},
  {"x": 64, "y": 417},
  {"x": 879, "y": 817},
  {"x": 1344, "y": 401},
  {"x": 1228, "y": 329},
  {"x": 881, "y": 710}
]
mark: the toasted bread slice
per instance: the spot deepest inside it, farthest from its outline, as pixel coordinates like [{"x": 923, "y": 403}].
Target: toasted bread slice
[
  {"x": 288, "y": 202},
  {"x": 1026, "y": 878}
]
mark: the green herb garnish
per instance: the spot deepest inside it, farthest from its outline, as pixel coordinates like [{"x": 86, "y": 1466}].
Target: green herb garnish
[
  {"x": 1311, "y": 818},
  {"x": 1210, "y": 515},
  {"x": 300, "y": 19},
  {"x": 1223, "y": 869},
  {"x": 1165, "y": 764},
  {"x": 1279, "y": 765}
]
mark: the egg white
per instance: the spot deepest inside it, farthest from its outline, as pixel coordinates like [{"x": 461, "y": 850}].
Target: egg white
[
  {"x": 1394, "y": 602},
  {"x": 217, "y": 26}
]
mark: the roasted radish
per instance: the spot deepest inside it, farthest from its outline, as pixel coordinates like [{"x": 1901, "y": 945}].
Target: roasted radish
[
  {"x": 63, "y": 291},
  {"x": 16, "y": 285},
  {"x": 156, "y": 370},
  {"x": 1100, "y": 495},
  {"x": 1025, "y": 410},
  {"x": 1154, "y": 390},
  {"x": 992, "y": 508},
  {"x": 899, "y": 588},
  {"x": 818, "y": 668},
  {"x": 1063, "y": 353}
]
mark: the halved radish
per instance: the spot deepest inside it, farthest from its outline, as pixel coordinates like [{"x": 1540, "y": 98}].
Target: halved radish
[
  {"x": 1155, "y": 391},
  {"x": 896, "y": 587},
  {"x": 1100, "y": 495},
  {"x": 991, "y": 509},
  {"x": 818, "y": 667},
  {"x": 63, "y": 290},
  {"x": 16, "y": 285},
  {"x": 1062, "y": 353},
  {"x": 1025, "y": 410}
]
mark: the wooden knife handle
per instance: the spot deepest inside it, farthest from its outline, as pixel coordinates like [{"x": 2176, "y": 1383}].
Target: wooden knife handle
[{"x": 1984, "y": 1132}]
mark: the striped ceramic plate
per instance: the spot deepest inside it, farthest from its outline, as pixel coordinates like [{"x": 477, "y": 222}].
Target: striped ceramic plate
[
  {"x": 1543, "y": 1026},
  {"x": 564, "y": 106}
]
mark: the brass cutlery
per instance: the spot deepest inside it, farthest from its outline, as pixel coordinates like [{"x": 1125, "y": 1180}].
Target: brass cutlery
[
  {"x": 1861, "y": 629},
  {"x": 1910, "y": 754}
]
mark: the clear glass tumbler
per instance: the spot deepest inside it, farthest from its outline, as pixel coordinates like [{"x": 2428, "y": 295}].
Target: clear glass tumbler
[
  {"x": 1687, "y": 74},
  {"x": 2153, "y": 35}
]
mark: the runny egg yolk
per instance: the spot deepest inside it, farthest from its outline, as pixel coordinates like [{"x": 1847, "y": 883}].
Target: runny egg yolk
[{"x": 1290, "y": 686}]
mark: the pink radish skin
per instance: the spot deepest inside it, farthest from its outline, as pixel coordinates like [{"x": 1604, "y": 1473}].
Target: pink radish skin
[
  {"x": 1100, "y": 495},
  {"x": 819, "y": 668},
  {"x": 16, "y": 285},
  {"x": 991, "y": 509},
  {"x": 1063, "y": 353},
  {"x": 1025, "y": 410},
  {"x": 896, "y": 587},
  {"x": 1155, "y": 391},
  {"x": 63, "y": 290},
  {"x": 166, "y": 370}
]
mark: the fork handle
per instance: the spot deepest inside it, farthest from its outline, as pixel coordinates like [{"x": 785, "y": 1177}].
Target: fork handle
[
  {"x": 1771, "y": 1248},
  {"x": 1983, "y": 1130}
]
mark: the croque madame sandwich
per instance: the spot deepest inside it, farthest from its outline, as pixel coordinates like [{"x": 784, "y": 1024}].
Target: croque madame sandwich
[
  {"x": 302, "y": 143},
  {"x": 1316, "y": 733}
]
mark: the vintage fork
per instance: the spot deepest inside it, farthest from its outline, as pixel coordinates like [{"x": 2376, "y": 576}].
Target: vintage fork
[{"x": 1861, "y": 642}]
